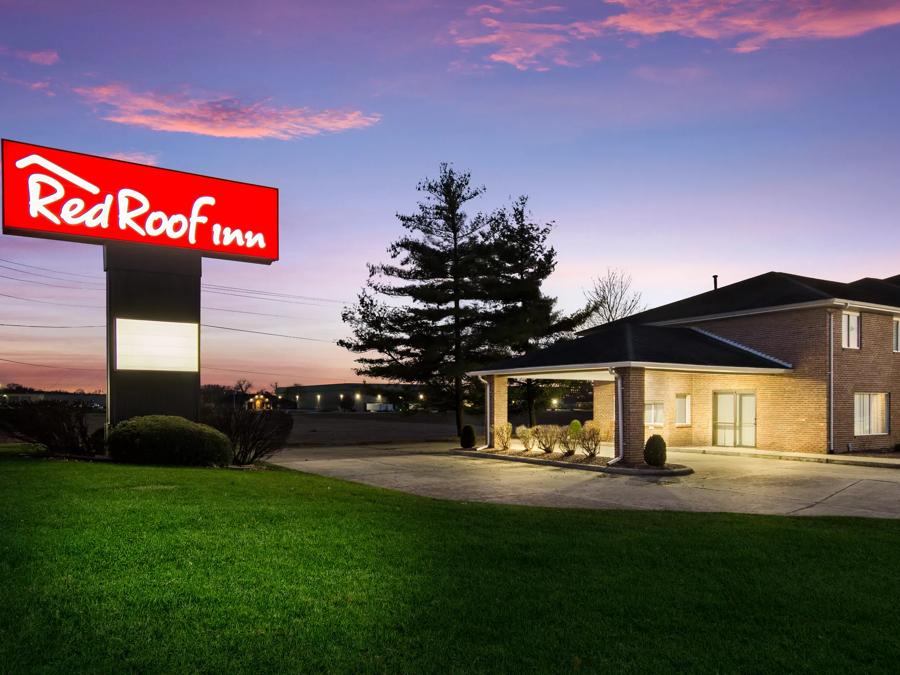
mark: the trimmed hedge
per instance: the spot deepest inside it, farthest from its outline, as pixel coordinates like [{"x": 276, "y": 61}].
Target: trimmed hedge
[
  {"x": 655, "y": 451},
  {"x": 166, "y": 439}
]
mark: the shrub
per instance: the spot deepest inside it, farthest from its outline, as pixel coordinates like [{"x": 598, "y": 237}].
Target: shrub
[
  {"x": 57, "y": 425},
  {"x": 655, "y": 451},
  {"x": 254, "y": 434},
  {"x": 526, "y": 435},
  {"x": 590, "y": 438},
  {"x": 166, "y": 439},
  {"x": 570, "y": 438},
  {"x": 467, "y": 437},
  {"x": 547, "y": 436},
  {"x": 502, "y": 436}
]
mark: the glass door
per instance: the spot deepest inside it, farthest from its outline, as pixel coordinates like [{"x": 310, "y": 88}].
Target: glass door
[
  {"x": 747, "y": 420},
  {"x": 734, "y": 418},
  {"x": 723, "y": 418}
]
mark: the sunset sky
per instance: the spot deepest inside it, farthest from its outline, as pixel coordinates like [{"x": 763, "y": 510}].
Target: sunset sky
[{"x": 673, "y": 139}]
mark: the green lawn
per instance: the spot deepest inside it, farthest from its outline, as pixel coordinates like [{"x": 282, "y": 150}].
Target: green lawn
[{"x": 110, "y": 568}]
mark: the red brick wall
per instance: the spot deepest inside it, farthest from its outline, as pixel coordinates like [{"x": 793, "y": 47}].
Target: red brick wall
[
  {"x": 873, "y": 368},
  {"x": 632, "y": 424}
]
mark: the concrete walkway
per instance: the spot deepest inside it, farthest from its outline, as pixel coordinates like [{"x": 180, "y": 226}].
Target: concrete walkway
[{"x": 733, "y": 484}]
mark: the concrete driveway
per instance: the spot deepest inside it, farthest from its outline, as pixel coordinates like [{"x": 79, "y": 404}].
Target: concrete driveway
[{"x": 735, "y": 484}]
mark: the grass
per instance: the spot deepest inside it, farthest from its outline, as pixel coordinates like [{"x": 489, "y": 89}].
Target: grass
[{"x": 110, "y": 568}]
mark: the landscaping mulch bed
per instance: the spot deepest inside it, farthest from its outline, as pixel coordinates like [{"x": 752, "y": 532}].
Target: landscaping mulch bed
[{"x": 577, "y": 458}]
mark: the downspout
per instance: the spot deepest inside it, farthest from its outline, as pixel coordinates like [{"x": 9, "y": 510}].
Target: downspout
[
  {"x": 619, "y": 440},
  {"x": 487, "y": 412},
  {"x": 830, "y": 381}
]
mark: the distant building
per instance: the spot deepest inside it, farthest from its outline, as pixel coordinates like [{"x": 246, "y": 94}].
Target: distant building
[
  {"x": 354, "y": 397},
  {"x": 14, "y": 396}
]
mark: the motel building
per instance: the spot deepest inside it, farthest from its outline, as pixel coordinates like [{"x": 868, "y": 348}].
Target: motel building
[{"x": 775, "y": 362}]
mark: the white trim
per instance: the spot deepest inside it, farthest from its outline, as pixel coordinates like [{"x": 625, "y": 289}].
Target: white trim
[
  {"x": 649, "y": 365},
  {"x": 740, "y": 345},
  {"x": 811, "y": 304}
]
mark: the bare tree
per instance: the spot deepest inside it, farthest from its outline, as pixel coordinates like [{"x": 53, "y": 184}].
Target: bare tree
[
  {"x": 612, "y": 298},
  {"x": 243, "y": 386}
]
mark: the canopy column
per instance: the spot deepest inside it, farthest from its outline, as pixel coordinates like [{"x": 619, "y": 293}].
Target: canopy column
[
  {"x": 630, "y": 415},
  {"x": 496, "y": 405}
]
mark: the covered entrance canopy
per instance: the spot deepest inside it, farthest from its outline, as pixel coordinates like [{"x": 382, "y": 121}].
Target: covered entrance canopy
[{"x": 675, "y": 371}]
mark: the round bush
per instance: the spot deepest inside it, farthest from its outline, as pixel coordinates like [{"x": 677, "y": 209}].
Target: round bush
[
  {"x": 655, "y": 451},
  {"x": 165, "y": 439},
  {"x": 575, "y": 429},
  {"x": 467, "y": 437}
]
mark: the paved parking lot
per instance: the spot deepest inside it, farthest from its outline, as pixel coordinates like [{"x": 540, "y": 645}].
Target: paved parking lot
[{"x": 736, "y": 484}]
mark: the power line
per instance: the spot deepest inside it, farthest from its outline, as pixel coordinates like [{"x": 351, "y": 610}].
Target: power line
[
  {"x": 49, "y": 276},
  {"x": 274, "y": 293},
  {"x": 204, "y": 325},
  {"x": 31, "y": 325},
  {"x": 41, "y": 283},
  {"x": 258, "y": 332},
  {"x": 49, "y": 302},
  {"x": 44, "y": 365},
  {"x": 47, "y": 269}
]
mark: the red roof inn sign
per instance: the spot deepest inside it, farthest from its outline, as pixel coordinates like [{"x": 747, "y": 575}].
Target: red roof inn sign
[
  {"x": 67, "y": 195},
  {"x": 155, "y": 226}
]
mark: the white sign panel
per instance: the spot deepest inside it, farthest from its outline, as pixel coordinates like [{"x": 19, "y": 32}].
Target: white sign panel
[{"x": 157, "y": 345}]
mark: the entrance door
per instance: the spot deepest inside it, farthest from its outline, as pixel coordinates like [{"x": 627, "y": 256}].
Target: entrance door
[{"x": 734, "y": 418}]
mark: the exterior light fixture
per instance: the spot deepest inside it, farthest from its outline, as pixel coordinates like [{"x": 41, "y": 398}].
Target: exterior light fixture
[
  {"x": 554, "y": 402},
  {"x": 358, "y": 396},
  {"x": 421, "y": 397}
]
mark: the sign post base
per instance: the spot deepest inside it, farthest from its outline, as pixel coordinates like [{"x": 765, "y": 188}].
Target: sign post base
[{"x": 152, "y": 332}]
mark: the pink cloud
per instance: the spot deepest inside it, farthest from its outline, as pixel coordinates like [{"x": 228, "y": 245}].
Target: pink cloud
[
  {"x": 42, "y": 86},
  {"x": 220, "y": 116},
  {"x": 136, "y": 157},
  {"x": 754, "y": 23},
  {"x": 511, "y": 36},
  {"x": 43, "y": 58}
]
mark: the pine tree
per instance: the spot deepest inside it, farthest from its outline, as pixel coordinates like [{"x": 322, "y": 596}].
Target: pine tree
[
  {"x": 428, "y": 338},
  {"x": 523, "y": 318}
]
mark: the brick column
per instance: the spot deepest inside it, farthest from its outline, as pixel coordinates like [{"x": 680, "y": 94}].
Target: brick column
[
  {"x": 630, "y": 427},
  {"x": 497, "y": 404}
]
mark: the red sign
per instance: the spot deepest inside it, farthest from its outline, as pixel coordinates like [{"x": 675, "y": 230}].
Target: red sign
[{"x": 67, "y": 195}]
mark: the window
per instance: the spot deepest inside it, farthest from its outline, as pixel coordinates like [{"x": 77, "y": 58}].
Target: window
[
  {"x": 870, "y": 414},
  {"x": 653, "y": 414},
  {"x": 850, "y": 330},
  {"x": 683, "y": 409},
  {"x": 896, "y": 339}
]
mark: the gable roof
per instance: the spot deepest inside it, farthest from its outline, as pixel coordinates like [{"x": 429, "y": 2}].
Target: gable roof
[
  {"x": 622, "y": 342},
  {"x": 772, "y": 289}
]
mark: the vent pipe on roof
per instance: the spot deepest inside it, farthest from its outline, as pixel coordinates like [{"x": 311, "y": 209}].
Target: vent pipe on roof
[{"x": 715, "y": 282}]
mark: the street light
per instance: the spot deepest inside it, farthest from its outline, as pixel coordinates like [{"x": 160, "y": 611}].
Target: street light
[{"x": 554, "y": 402}]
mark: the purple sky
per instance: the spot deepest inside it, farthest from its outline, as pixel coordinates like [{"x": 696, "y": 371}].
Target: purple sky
[{"x": 674, "y": 139}]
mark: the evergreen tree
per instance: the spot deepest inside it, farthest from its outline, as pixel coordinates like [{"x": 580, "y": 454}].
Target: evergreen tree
[
  {"x": 523, "y": 318},
  {"x": 428, "y": 337}
]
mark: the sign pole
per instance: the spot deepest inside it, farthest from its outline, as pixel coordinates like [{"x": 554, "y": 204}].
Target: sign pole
[{"x": 152, "y": 332}]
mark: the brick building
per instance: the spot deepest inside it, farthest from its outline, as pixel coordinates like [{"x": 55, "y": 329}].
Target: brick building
[{"x": 775, "y": 362}]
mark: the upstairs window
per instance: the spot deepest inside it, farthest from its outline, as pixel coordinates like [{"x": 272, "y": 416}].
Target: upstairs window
[
  {"x": 896, "y": 339},
  {"x": 683, "y": 409},
  {"x": 653, "y": 414},
  {"x": 850, "y": 330},
  {"x": 870, "y": 414}
]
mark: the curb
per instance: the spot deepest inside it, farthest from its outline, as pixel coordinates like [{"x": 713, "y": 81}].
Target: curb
[
  {"x": 821, "y": 459},
  {"x": 677, "y": 470}
]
